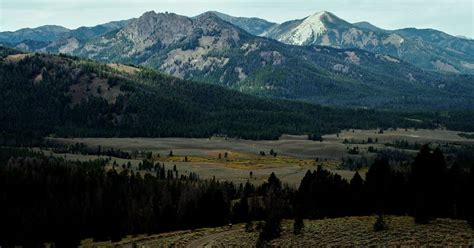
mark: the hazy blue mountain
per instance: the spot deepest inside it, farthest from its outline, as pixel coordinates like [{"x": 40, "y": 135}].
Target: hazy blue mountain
[
  {"x": 460, "y": 46},
  {"x": 369, "y": 26},
  {"x": 84, "y": 33},
  {"x": 252, "y": 25},
  {"x": 43, "y": 33},
  {"x": 464, "y": 37},
  {"x": 40, "y": 38}
]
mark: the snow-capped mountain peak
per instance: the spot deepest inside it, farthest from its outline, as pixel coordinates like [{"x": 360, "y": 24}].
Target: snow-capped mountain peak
[{"x": 310, "y": 30}]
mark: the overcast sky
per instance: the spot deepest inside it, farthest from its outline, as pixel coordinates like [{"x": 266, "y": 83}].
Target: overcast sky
[{"x": 452, "y": 16}]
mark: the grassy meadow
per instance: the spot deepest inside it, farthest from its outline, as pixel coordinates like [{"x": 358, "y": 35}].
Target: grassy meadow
[{"x": 295, "y": 154}]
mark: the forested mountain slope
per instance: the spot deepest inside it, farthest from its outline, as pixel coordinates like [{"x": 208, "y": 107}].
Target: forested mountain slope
[{"x": 66, "y": 96}]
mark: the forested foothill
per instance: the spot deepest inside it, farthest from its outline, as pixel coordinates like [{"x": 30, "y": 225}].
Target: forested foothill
[{"x": 65, "y": 96}]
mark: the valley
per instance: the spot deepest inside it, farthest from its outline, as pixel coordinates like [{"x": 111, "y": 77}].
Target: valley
[
  {"x": 159, "y": 129},
  {"x": 295, "y": 154}
]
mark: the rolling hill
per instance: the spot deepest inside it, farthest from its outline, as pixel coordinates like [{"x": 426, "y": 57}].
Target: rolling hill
[{"x": 66, "y": 96}]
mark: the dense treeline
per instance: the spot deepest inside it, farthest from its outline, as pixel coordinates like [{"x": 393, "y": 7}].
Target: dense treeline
[
  {"x": 64, "y": 96},
  {"x": 46, "y": 199},
  {"x": 81, "y": 148},
  {"x": 426, "y": 189}
]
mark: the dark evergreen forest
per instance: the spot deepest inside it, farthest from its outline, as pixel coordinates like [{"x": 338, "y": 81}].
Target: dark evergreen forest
[
  {"x": 69, "y": 97},
  {"x": 46, "y": 199}
]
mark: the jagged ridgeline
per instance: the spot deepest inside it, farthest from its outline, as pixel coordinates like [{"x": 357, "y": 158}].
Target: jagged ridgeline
[
  {"x": 224, "y": 50},
  {"x": 66, "y": 96}
]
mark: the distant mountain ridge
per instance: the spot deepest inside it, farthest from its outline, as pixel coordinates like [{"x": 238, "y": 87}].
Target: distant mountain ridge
[
  {"x": 427, "y": 48},
  {"x": 430, "y": 49},
  {"x": 368, "y": 26},
  {"x": 209, "y": 49},
  {"x": 32, "y": 39},
  {"x": 43, "y": 33},
  {"x": 253, "y": 25}
]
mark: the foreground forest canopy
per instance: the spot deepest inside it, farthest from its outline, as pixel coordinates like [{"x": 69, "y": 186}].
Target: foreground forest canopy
[
  {"x": 66, "y": 96},
  {"x": 47, "y": 199}
]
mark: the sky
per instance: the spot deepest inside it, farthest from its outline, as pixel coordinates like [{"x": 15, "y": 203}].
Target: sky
[{"x": 455, "y": 17}]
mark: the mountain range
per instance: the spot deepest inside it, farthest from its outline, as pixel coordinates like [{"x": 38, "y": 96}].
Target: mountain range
[
  {"x": 319, "y": 59},
  {"x": 34, "y": 39},
  {"x": 427, "y": 48}
]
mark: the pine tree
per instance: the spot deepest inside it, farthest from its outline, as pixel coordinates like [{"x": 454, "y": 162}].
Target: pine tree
[
  {"x": 378, "y": 184},
  {"x": 356, "y": 189},
  {"x": 273, "y": 204},
  {"x": 380, "y": 224},
  {"x": 438, "y": 181},
  {"x": 298, "y": 225},
  {"x": 241, "y": 211},
  {"x": 356, "y": 182},
  {"x": 470, "y": 199},
  {"x": 429, "y": 184},
  {"x": 274, "y": 182},
  {"x": 420, "y": 172},
  {"x": 271, "y": 228},
  {"x": 249, "y": 226}
]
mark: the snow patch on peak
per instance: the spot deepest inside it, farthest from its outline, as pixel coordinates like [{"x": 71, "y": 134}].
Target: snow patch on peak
[{"x": 309, "y": 30}]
